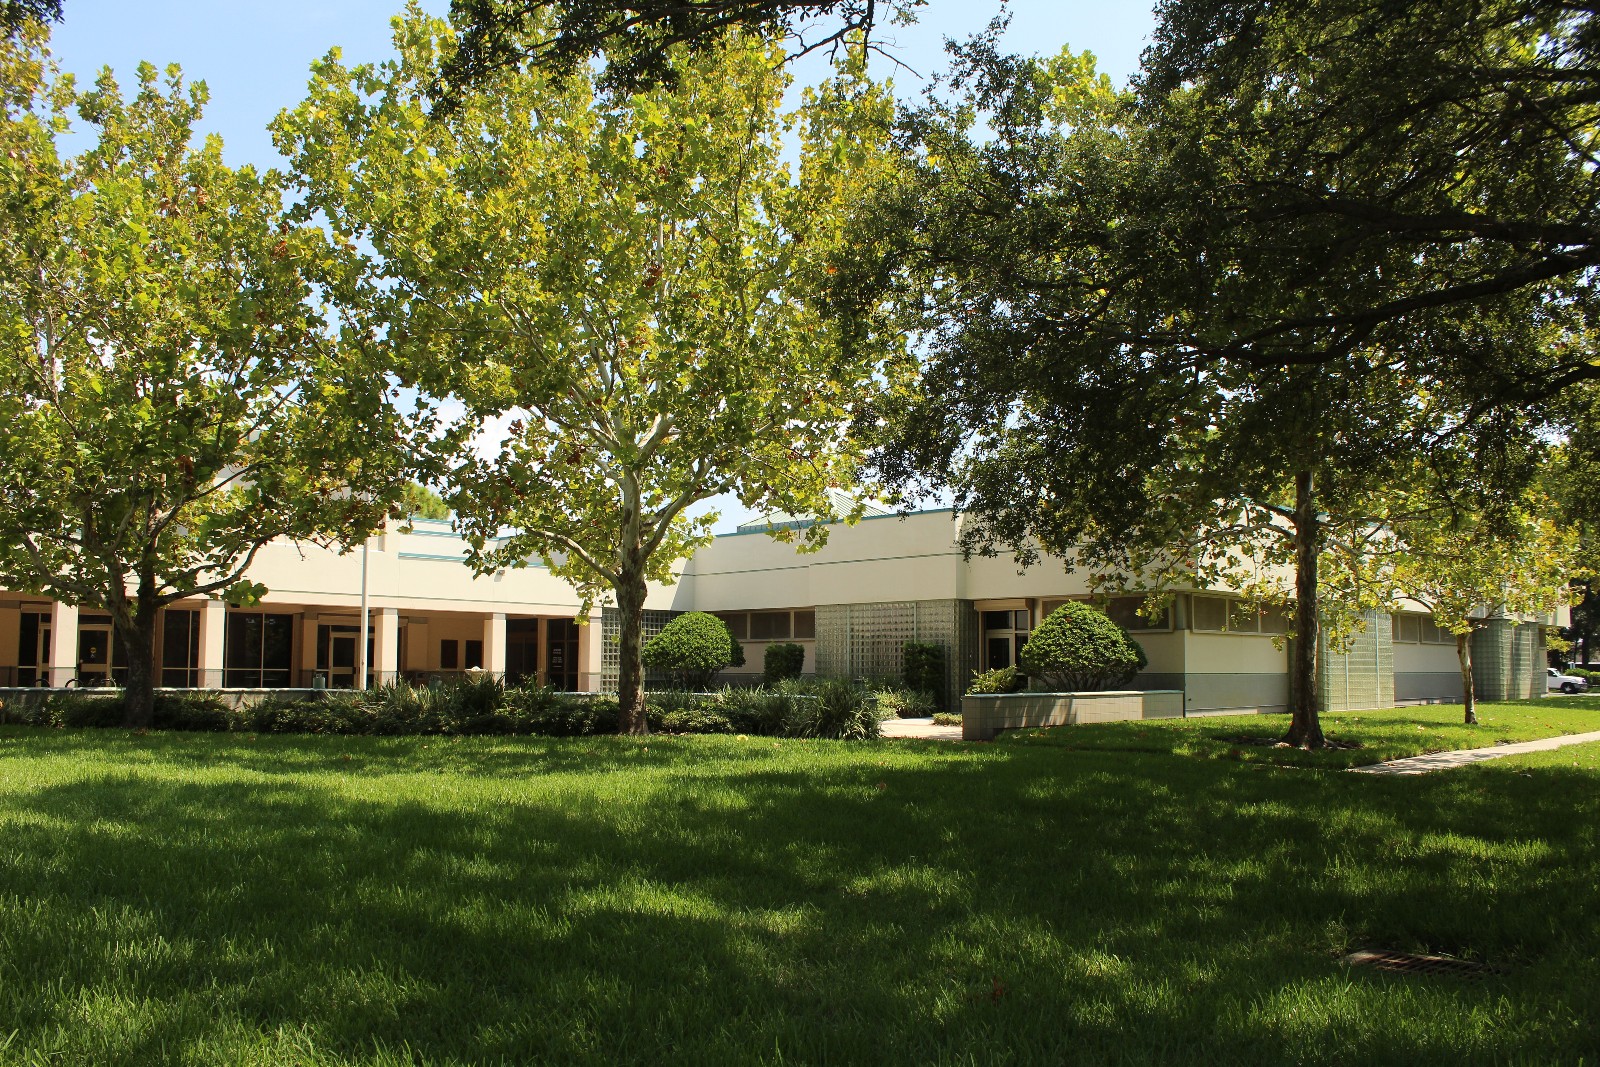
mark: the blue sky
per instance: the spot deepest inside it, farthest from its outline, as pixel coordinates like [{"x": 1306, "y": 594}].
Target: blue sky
[{"x": 254, "y": 56}]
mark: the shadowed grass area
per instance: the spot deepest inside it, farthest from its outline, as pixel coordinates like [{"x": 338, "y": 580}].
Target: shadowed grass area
[
  {"x": 1377, "y": 735},
  {"x": 216, "y": 900}
]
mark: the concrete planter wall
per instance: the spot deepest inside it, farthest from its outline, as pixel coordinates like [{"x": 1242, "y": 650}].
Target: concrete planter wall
[{"x": 984, "y": 715}]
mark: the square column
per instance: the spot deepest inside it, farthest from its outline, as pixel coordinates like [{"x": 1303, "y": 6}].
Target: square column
[
  {"x": 385, "y": 645},
  {"x": 305, "y": 657},
  {"x": 591, "y": 654},
  {"x": 63, "y": 665},
  {"x": 494, "y": 644},
  {"x": 421, "y": 655},
  {"x": 213, "y": 625}
]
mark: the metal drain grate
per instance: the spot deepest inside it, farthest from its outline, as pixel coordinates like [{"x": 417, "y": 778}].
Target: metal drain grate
[{"x": 1406, "y": 963}]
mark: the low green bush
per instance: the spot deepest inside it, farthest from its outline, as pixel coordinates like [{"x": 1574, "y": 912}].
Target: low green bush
[
  {"x": 697, "y": 719},
  {"x": 947, "y": 718},
  {"x": 1078, "y": 649},
  {"x": 27, "y": 710},
  {"x": 999, "y": 680},
  {"x": 794, "y": 708},
  {"x": 764, "y": 710},
  {"x": 331, "y": 713},
  {"x": 200, "y": 712},
  {"x": 554, "y": 714},
  {"x": 782, "y": 662},
  {"x": 839, "y": 709},
  {"x": 82, "y": 710},
  {"x": 904, "y": 704}
]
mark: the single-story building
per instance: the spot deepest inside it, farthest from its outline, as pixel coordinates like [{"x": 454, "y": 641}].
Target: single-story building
[{"x": 852, "y": 606}]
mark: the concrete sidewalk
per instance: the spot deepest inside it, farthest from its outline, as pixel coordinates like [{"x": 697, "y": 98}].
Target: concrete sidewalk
[
  {"x": 922, "y": 728},
  {"x": 1442, "y": 761}
]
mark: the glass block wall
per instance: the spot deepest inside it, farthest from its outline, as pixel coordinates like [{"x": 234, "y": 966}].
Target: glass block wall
[
  {"x": 1528, "y": 657},
  {"x": 1364, "y": 676},
  {"x": 1508, "y": 660},
  {"x": 611, "y": 645},
  {"x": 868, "y": 640},
  {"x": 1493, "y": 663}
]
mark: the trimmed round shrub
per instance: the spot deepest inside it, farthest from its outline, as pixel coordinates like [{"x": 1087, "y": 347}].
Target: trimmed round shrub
[
  {"x": 691, "y": 649},
  {"x": 1078, "y": 649},
  {"x": 782, "y": 661}
]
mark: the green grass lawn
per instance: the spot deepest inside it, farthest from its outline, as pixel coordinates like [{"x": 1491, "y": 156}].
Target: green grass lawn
[
  {"x": 1064, "y": 897},
  {"x": 1377, "y": 735}
]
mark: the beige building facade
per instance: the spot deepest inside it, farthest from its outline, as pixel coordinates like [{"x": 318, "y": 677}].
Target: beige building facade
[{"x": 851, "y": 606}]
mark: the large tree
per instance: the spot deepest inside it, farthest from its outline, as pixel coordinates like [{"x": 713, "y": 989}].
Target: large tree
[
  {"x": 171, "y": 397},
  {"x": 17, "y": 15},
  {"x": 1378, "y": 159},
  {"x": 1074, "y": 401},
  {"x": 639, "y": 39},
  {"x": 624, "y": 283}
]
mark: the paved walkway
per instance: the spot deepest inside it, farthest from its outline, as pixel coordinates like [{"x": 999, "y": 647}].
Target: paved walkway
[
  {"x": 1440, "y": 761},
  {"x": 920, "y": 728}
]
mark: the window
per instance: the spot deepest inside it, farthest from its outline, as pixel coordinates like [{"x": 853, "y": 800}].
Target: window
[
  {"x": 449, "y": 655},
  {"x": 1004, "y": 634},
  {"x": 737, "y": 623},
  {"x": 769, "y": 626},
  {"x": 1125, "y": 612},
  {"x": 1435, "y": 634},
  {"x": 180, "y": 649},
  {"x": 1412, "y": 628},
  {"x": 1242, "y": 618},
  {"x": 1209, "y": 613},
  {"x": 474, "y": 654},
  {"x": 1232, "y": 615},
  {"x": 805, "y": 625},
  {"x": 1275, "y": 620},
  {"x": 256, "y": 650}
]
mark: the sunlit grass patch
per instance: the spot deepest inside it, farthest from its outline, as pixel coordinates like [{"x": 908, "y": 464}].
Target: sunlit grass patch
[
  {"x": 216, "y": 900},
  {"x": 1365, "y": 737}
]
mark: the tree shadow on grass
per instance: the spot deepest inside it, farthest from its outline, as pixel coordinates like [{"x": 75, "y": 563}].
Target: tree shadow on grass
[{"x": 722, "y": 904}]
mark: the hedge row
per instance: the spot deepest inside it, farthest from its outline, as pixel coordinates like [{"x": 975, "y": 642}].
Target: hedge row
[{"x": 829, "y": 709}]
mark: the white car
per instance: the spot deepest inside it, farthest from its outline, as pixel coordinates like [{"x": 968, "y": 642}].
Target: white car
[{"x": 1567, "y": 683}]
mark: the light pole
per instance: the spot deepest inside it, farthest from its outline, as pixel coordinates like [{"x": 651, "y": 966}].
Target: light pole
[{"x": 361, "y": 638}]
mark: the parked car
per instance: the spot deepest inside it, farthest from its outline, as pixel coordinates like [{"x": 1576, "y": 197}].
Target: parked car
[{"x": 1567, "y": 683}]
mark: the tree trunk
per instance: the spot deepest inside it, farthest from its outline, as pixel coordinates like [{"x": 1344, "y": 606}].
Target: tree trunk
[
  {"x": 1305, "y": 728},
  {"x": 630, "y": 678},
  {"x": 1464, "y": 657},
  {"x": 136, "y": 630}
]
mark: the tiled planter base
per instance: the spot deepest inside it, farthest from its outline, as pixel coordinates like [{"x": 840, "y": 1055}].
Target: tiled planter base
[{"x": 983, "y": 716}]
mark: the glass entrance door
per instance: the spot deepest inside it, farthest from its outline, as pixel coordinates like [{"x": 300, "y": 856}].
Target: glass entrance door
[
  {"x": 336, "y": 655},
  {"x": 94, "y": 655},
  {"x": 342, "y": 662},
  {"x": 1004, "y": 634}
]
